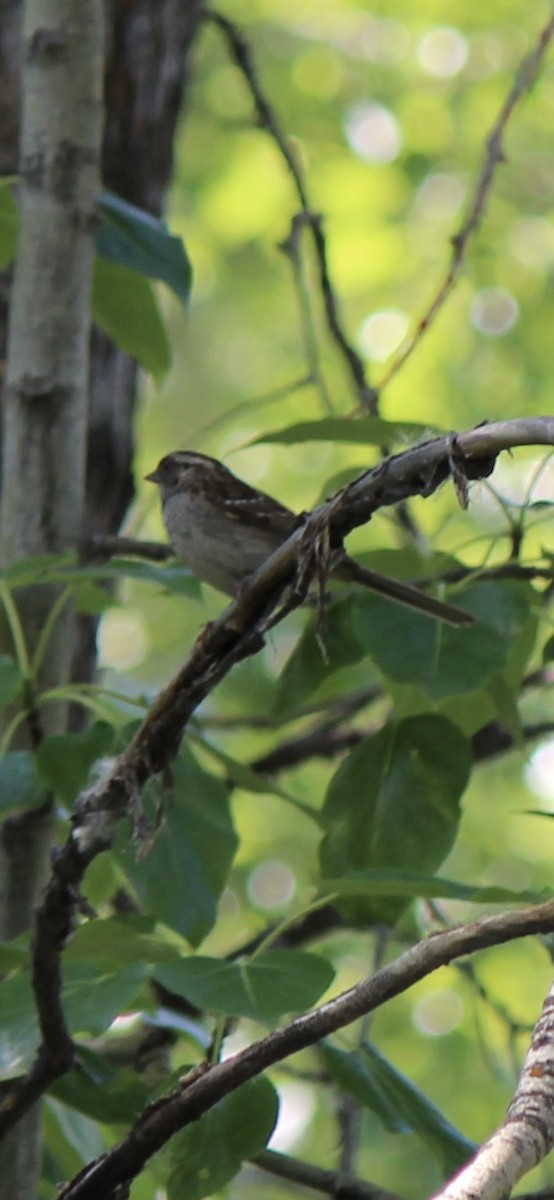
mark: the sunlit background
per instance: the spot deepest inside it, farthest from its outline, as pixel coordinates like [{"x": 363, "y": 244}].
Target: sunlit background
[{"x": 387, "y": 106}]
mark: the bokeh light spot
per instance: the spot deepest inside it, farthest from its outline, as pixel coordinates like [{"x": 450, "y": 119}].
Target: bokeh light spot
[
  {"x": 539, "y": 773},
  {"x": 382, "y": 333},
  {"x": 442, "y": 52},
  {"x": 271, "y": 884},
  {"x": 494, "y": 311},
  {"x": 438, "y": 1013},
  {"x": 440, "y": 196},
  {"x": 532, "y": 242},
  {"x": 122, "y": 640},
  {"x": 373, "y": 133}
]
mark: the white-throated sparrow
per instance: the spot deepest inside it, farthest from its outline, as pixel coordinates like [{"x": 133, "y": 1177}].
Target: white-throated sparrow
[{"x": 223, "y": 530}]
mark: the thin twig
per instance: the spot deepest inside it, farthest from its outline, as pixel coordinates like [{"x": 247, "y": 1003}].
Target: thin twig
[
  {"x": 330, "y": 1183},
  {"x": 267, "y": 119},
  {"x": 291, "y": 248},
  {"x": 494, "y": 155},
  {"x": 104, "y": 546}
]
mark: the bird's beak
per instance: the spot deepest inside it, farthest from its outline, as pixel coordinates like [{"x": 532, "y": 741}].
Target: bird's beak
[{"x": 153, "y": 477}]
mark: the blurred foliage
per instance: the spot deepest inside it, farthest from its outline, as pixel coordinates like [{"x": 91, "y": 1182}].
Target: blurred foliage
[{"x": 388, "y": 111}]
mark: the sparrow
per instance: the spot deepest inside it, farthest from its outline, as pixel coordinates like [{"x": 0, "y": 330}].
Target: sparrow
[{"x": 223, "y": 530}]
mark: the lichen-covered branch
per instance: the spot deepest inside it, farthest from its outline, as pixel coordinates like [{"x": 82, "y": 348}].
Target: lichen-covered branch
[{"x": 527, "y": 1134}]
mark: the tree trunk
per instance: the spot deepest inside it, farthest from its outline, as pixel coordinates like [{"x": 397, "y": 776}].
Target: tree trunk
[{"x": 45, "y": 425}]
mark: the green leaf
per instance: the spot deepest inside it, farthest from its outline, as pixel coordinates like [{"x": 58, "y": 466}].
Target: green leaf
[
  {"x": 182, "y": 875},
  {"x": 9, "y": 222},
  {"x": 89, "y": 597},
  {"x": 374, "y": 1083},
  {"x": 354, "y": 1076},
  {"x": 64, "y": 760},
  {"x": 173, "y": 577},
  {"x": 208, "y": 1154},
  {"x": 34, "y": 569},
  {"x": 280, "y": 981},
  {"x": 91, "y": 1002},
  {"x": 411, "y": 649},
  {"x": 548, "y": 650},
  {"x": 370, "y": 431},
  {"x": 128, "y": 237},
  {"x": 114, "y": 941},
  {"x": 450, "y": 1147},
  {"x": 70, "y": 1141},
  {"x": 103, "y": 1090},
  {"x": 93, "y": 999},
  {"x": 18, "y": 1022},
  {"x": 395, "y": 882},
  {"x": 438, "y": 659},
  {"x": 306, "y": 668},
  {"x": 393, "y": 801},
  {"x": 131, "y": 237},
  {"x": 245, "y": 777},
  {"x": 14, "y": 954},
  {"x": 20, "y": 786},
  {"x": 10, "y": 679},
  {"x": 125, "y": 306}
]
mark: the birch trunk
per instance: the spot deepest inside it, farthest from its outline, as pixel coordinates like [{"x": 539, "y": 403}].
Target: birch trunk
[
  {"x": 45, "y": 399},
  {"x": 147, "y": 71}
]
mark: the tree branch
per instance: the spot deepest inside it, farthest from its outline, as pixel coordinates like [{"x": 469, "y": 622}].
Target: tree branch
[
  {"x": 527, "y": 1134},
  {"x": 331, "y": 1183},
  {"x": 225, "y": 642},
  {"x": 165, "y": 1117},
  {"x": 267, "y": 119},
  {"x": 494, "y": 155}
]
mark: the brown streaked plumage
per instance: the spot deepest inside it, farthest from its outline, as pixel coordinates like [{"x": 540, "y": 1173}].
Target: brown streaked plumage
[{"x": 223, "y": 530}]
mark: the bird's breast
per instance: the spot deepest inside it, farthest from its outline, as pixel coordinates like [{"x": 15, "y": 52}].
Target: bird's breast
[{"x": 219, "y": 549}]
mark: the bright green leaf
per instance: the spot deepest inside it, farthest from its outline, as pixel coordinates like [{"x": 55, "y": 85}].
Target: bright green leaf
[
  {"x": 280, "y": 981},
  {"x": 182, "y": 875},
  {"x": 131, "y": 237},
  {"x": 450, "y": 1147},
  {"x": 93, "y": 999},
  {"x": 371, "y": 431},
  {"x": 20, "y": 785},
  {"x": 393, "y": 802},
  {"x": 125, "y": 306},
  {"x": 64, "y": 760},
  {"x": 208, "y": 1154},
  {"x": 120, "y": 940},
  {"x": 89, "y": 598}
]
